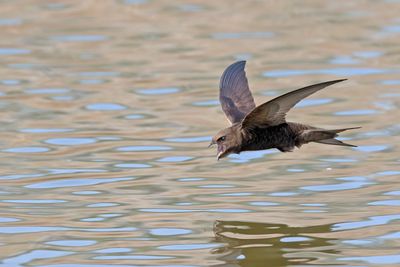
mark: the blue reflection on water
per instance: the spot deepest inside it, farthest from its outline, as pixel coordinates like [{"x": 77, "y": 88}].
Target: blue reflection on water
[
  {"x": 392, "y": 29},
  {"x": 356, "y": 112},
  {"x": 132, "y": 165},
  {"x": 34, "y": 255},
  {"x": 79, "y": 38},
  {"x": 27, "y": 149},
  {"x": 372, "y": 221},
  {"x": 169, "y": 231},
  {"x": 134, "y": 2},
  {"x": 390, "y": 202},
  {"x": 175, "y": 159},
  {"x": 92, "y": 81},
  {"x": 351, "y": 183},
  {"x": 371, "y": 148},
  {"x": 246, "y": 156},
  {"x": 191, "y": 179},
  {"x": 309, "y": 102},
  {"x": 10, "y": 21},
  {"x": 102, "y": 205},
  {"x": 10, "y": 82},
  {"x": 189, "y": 246},
  {"x": 384, "y": 259},
  {"x": 113, "y": 250},
  {"x": 34, "y": 201},
  {"x": 283, "y": 194},
  {"x": 206, "y": 103},
  {"x": 8, "y": 219},
  {"x": 368, "y": 54},
  {"x": 133, "y": 257},
  {"x": 14, "y": 51},
  {"x": 393, "y": 193},
  {"x": 291, "y": 239},
  {"x": 105, "y": 106},
  {"x": 134, "y": 116},
  {"x": 64, "y": 171},
  {"x": 263, "y": 203},
  {"x": 47, "y": 91},
  {"x": 72, "y": 141},
  {"x": 158, "y": 91},
  {"x": 99, "y": 74},
  {"x": 20, "y": 176}
]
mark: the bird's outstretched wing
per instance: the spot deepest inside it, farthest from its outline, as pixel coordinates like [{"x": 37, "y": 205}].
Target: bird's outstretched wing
[
  {"x": 234, "y": 93},
  {"x": 274, "y": 111}
]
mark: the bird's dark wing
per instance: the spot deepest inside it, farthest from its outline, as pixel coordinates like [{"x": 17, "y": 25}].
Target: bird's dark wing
[
  {"x": 274, "y": 111},
  {"x": 234, "y": 93}
]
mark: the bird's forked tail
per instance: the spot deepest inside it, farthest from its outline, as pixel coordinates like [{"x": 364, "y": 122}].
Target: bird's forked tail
[{"x": 323, "y": 136}]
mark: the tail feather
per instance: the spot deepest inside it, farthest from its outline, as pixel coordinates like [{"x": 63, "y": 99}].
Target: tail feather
[
  {"x": 334, "y": 141},
  {"x": 342, "y": 130},
  {"x": 323, "y": 136}
]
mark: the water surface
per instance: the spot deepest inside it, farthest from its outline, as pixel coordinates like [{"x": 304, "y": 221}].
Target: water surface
[{"x": 108, "y": 108}]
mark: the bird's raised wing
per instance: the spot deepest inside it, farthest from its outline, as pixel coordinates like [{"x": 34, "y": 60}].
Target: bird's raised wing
[
  {"x": 234, "y": 93},
  {"x": 274, "y": 111}
]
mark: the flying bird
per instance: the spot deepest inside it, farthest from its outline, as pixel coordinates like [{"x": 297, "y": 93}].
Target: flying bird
[{"x": 265, "y": 126}]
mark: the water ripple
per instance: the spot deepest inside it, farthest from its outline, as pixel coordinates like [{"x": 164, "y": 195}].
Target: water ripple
[
  {"x": 105, "y": 106},
  {"x": 46, "y": 130},
  {"x": 158, "y": 91},
  {"x": 79, "y": 38},
  {"x": 47, "y": 91},
  {"x": 72, "y": 141},
  {"x": 241, "y": 35},
  {"x": 182, "y": 247},
  {"x": 72, "y": 243},
  {"x": 75, "y": 182},
  {"x": 169, "y": 231},
  {"x": 351, "y": 183},
  {"x": 27, "y": 149},
  {"x": 14, "y": 51},
  {"x": 175, "y": 159},
  {"x": 197, "y": 139},
  {"x": 113, "y": 250},
  {"x": 372, "y": 221},
  {"x": 34, "y": 255},
  {"x": 143, "y": 148},
  {"x": 133, "y": 257},
  {"x": 384, "y": 259},
  {"x": 343, "y": 72},
  {"x": 392, "y": 202}
]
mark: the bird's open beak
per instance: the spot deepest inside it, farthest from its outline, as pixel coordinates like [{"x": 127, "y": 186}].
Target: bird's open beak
[
  {"x": 221, "y": 152},
  {"x": 212, "y": 143}
]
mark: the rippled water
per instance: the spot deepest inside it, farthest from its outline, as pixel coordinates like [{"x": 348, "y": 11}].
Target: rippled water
[{"x": 108, "y": 107}]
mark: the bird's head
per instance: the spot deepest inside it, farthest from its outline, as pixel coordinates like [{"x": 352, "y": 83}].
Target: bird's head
[{"x": 228, "y": 141}]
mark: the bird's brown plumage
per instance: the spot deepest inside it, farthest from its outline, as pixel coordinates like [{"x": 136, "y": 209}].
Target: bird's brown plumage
[{"x": 265, "y": 126}]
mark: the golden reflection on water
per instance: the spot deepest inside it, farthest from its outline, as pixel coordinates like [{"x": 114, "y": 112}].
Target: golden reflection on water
[
  {"x": 108, "y": 107},
  {"x": 255, "y": 244}
]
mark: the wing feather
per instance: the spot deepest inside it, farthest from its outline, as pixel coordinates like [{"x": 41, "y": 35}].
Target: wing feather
[
  {"x": 274, "y": 111},
  {"x": 235, "y": 96}
]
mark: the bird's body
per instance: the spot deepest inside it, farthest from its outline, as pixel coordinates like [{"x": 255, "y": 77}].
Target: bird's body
[
  {"x": 265, "y": 126},
  {"x": 284, "y": 137}
]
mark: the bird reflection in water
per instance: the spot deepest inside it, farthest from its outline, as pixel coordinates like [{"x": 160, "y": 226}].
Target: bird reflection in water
[{"x": 267, "y": 244}]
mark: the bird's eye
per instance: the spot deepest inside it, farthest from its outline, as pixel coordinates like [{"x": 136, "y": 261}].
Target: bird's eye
[{"x": 222, "y": 138}]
